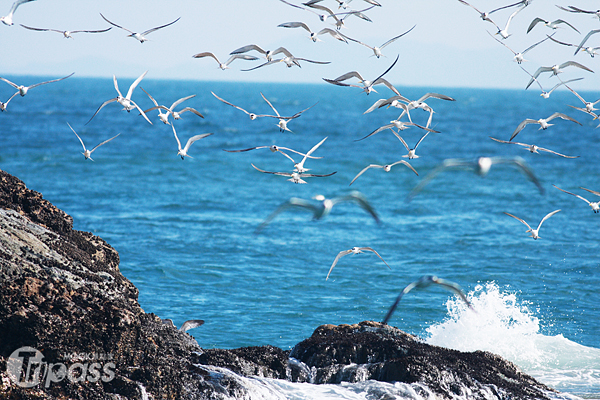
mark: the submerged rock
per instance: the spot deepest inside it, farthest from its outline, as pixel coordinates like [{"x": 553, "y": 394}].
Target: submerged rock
[{"x": 71, "y": 328}]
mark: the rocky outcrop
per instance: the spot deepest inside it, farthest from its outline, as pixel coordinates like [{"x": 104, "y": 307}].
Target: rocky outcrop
[
  {"x": 71, "y": 328},
  {"x": 370, "y": 350},
  {"x": 63, "y": 295}
]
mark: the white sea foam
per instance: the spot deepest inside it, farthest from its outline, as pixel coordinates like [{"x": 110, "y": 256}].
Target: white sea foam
[
  {"x": 272, "y": 389},
  {"x": 348, "y": 391},
  {"x": 507, "y": 327},
  {"x": 259, "y": 388}
]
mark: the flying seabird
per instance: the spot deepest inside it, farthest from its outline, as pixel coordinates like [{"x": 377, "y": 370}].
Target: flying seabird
[
  {"x": 314, "y": 36},
  {"x": 400, "y": 125},
  {"x": 66, "y": 34},
  {"x": 191, "y": 324},
  {"x": 486, "y": 15},
  {"x": 423, "y": 282},
  {"x": 544, "y": 122},
  {"x": 225, "y": 65},
  {"x": 126, "y": 101},
  {"x": 592, "y": 51},
  {"x": 588, "y": 105},
  {"x": 482, "y": 14},
  {"x": 275, "y": 149},
  {"x": 420, "y": 103},
  {"x": 164, "y": 117},
  {"x": 88, "y": 153},
  {"x": 268, "y": 54},
  {"x": 397, "y": 101},
  {"x": 183, "y": 152},
  {"x": 283, "y": 121},
  {"x": 354, "y": 250},
  {"x": 481, "y": 166},
  {"x": 139, "y": 36},
  {"x": 518, "y": 57},
  {"x": 187, "y": 325},
  {"x": 299, "y": 167},
  {"x": 553, "y": 25},
  {"x": 574, "y": 9},
  {"x": 544, "y": 93},
  {"x": 4, "y": 105},
  {"x": 339, "y": 22},
  {"x": 406, "y": 105},
  {"x": 534, "y": 232},
  {"x": 252, "y": 116},
  {"x": 22, "y": 90},
  {"x": 367, "y": 85},
  {"x": 295, "y": 176},
  {"x": 411, "y": 152},
  {"x": 289, "y": 60},
  {"x": 590, "y": 33},
  {"x": 556, "y": 69},
  {"x": 594, "y": 205},
  {"x": 322, "y": 208},
  {"x": 533, "y": 148},
  {"x": 504, "y": 32},
  {"x": 377, "y": 50},
  {"x": 8, "y": 19},
  {"x": 386, "y": 168}
]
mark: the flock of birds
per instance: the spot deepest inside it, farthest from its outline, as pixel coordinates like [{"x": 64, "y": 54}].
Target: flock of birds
[{"x": 320, "y": 206}]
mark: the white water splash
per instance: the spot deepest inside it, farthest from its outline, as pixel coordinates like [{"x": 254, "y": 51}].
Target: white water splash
[
  {"x": 507, "y": 327},
  {"x": 366, "y": 390},
  {"x": 278, "y": 389}
]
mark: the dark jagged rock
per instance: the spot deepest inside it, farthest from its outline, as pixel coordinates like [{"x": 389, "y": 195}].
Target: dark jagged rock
[
  {"x": 62, "y": 295},
  {"x": 14, "y": 195},
  {"x": 370, "y": 350},
  {"x": 263, "y": 361}
]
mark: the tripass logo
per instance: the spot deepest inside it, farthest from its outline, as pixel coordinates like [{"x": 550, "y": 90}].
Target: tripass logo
[{"x": 26, "y": 368}]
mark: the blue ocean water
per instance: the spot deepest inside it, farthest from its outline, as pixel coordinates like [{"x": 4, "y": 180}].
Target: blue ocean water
[{"x": 185, "y": 230}]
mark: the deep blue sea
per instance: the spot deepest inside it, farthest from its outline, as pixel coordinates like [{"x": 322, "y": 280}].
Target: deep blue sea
[{"x": 185, "y": 229}]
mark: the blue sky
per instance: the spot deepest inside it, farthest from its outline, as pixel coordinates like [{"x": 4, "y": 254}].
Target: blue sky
[{"x": 448, "y": 48}]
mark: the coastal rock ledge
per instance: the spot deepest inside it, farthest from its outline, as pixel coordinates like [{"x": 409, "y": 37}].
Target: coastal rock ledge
[{"x": 71, "y": 328}]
